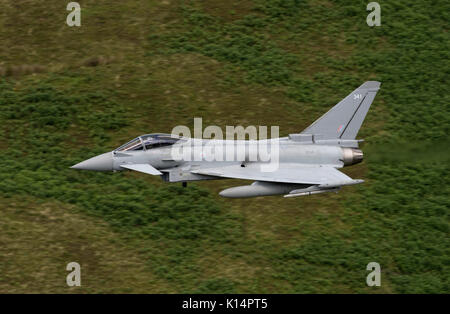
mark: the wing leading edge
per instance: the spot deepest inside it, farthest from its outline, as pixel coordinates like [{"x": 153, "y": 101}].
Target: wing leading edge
[{"x": 145, "y": 168}]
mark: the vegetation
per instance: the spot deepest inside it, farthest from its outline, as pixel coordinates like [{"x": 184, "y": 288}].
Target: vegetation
[{"x": 67, "y": 94}]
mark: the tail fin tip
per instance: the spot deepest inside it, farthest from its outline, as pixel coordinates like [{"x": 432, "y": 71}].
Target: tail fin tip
[{"x": 371, "y": 85}]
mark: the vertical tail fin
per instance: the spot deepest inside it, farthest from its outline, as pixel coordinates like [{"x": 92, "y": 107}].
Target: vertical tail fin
[{"x": 345, "y": 119}]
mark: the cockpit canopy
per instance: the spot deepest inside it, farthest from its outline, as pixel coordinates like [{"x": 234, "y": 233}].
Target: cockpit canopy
[{"x": 149, "y": 141}]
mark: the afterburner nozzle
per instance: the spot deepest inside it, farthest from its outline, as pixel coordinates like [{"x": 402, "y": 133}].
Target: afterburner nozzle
[{"x": 351, "y": 156}]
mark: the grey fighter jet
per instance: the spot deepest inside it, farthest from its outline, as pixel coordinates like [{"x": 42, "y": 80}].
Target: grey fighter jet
[{"x": 307, "y": 162}]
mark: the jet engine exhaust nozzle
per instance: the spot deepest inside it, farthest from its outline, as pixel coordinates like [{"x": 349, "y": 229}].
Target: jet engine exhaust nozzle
[{"x": 352, "y": 156}]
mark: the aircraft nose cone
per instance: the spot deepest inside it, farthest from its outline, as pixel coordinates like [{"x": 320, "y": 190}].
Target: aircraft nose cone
[{"x": 103, "y": 162}]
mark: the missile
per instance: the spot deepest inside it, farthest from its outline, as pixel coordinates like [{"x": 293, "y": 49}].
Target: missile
[{"x": 296, "y": 193}]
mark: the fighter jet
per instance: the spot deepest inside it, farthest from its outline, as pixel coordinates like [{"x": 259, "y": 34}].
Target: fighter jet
[{"x": 307, "y": 162}]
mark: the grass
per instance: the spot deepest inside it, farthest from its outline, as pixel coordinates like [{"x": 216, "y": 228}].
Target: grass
[
  {"x": 32, "y": 228},
  {"x": 69, "y": 93}
]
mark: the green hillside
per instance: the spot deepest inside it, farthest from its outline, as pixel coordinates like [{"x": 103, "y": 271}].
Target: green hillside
[{"x": 135, "y": 67}]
